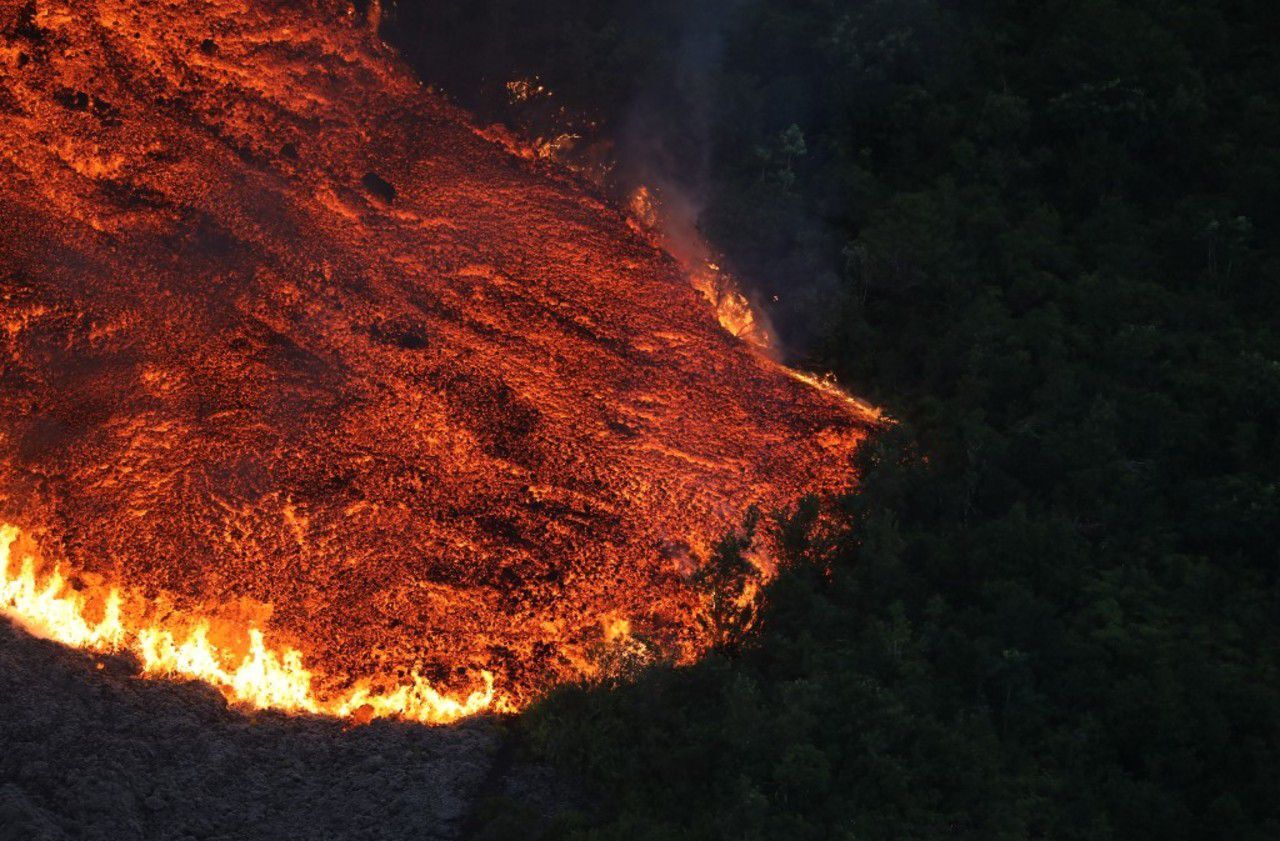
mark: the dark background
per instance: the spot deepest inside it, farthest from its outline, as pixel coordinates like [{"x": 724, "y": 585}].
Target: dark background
[{"x": 1044, "y": 236}]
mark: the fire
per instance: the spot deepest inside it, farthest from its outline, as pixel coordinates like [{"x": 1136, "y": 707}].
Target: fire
[
  {"x": 616, "y": 628},
  {"x": 828, "y": 384},
  {"x": 316, "y": 394},
  {"x": 46, "y": 610},
  {"x": 264, "y": 678},
  {"x": 676, "y": 233},
  {"x": 733, "y": 309},
  {"x": 644, "y": 209}
]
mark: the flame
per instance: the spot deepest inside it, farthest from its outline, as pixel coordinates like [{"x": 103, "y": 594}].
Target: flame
[
  {"x": 733, "y": 310},
  {"x": 616, "y": 628},
  {"x": 828, "y": 384},
  {"x": 523, "y": 90},
  {"x": 677, "y": 236},
  {"x": 423, "y": 391},
  {"x": 644, "y": 208},
  {"x": 263, "y": 679}
]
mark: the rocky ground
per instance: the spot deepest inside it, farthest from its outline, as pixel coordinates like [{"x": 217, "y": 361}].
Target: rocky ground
[{"x": 89, "y": 751}]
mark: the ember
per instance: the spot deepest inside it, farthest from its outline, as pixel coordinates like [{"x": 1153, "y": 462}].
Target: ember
[{"x": 388, "y": 423}]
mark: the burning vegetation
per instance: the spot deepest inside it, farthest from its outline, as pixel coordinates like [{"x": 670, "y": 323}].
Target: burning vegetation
[{"x": 310, "y": 391}]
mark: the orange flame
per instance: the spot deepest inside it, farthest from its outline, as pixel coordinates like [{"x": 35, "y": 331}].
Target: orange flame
[
  {"x": 677, "y": 237},
  {"x": 263, "y": 679},
  {"x": 827, "y": 383}
]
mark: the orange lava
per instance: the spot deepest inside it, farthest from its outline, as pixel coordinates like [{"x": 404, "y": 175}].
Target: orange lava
[{"x": 345, "y": 408}]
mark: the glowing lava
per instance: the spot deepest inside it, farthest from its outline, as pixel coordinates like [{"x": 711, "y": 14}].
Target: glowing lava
[{"x": 312, "y": 392}]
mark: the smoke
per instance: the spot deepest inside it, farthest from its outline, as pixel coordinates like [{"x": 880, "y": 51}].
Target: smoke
[
  {"x": 664, "y": 146},
  {"x": 679, "y": 135},
  {"x": 641, "y": 75},
  {"x": 665, "y": 136}
]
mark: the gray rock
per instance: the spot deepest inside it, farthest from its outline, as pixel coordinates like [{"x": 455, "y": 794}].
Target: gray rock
[{"x": 101, "y": 754}]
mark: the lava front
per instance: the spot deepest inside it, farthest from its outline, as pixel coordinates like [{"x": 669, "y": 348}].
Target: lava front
[{"x": 309, "y": 390}]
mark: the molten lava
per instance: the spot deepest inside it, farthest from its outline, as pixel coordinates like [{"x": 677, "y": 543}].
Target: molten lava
[{"x": 310, "y": 391}]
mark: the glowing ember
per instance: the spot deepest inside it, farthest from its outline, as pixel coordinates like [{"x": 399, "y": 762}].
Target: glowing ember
[{"x": 297, "y": 368}]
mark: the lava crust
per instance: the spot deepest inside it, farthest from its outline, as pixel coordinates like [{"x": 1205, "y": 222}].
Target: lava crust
[{"x": 283, "y": 338}]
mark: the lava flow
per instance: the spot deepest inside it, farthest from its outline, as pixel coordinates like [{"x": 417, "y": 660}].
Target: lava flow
[{"x": 310, "y": 391}]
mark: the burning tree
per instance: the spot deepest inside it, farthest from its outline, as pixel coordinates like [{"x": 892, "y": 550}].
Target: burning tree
[{"x": 728, "y": 582}]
